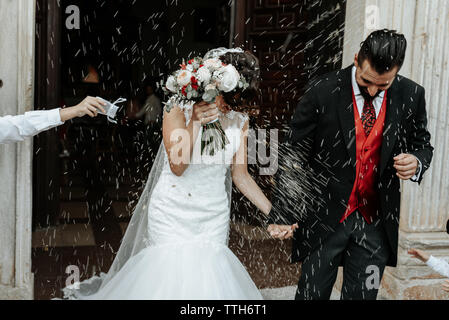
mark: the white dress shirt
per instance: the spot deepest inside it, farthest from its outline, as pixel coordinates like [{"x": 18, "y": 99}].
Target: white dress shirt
[
  {"x": 439, "y": 265},
  {"x": 17, "y": 128},
  {"x": 377, "y": 103}
]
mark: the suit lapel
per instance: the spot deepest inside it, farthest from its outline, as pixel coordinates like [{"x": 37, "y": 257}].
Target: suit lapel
[
  {"x": 345, "y": 109},
  {"x": 392, "y": 119}
]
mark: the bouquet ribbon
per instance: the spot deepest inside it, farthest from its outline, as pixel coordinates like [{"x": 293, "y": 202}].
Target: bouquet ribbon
[{"x": 213, "y": 138}]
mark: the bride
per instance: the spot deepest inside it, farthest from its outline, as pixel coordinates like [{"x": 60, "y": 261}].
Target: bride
[{"x": 175, "y": 246}]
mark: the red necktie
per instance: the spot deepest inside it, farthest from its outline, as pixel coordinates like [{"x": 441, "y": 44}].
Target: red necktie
[{"x": 368, "y": 116}]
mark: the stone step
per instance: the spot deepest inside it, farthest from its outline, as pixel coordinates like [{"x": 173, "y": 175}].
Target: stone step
[{"x": 66, "y": 235}]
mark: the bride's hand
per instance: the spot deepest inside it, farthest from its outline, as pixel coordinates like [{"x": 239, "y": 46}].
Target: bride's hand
[
  {"x": 204, "y": 112},
  {"x": 282, "y": 232}
]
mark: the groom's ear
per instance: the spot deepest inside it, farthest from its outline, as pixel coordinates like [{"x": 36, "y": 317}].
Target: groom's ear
[{"x": 356, "y": 60}]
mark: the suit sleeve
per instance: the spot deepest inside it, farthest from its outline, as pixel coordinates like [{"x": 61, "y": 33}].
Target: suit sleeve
[
  {"x": 419, "y": 142},
  {"x": 293, "y": 157}
]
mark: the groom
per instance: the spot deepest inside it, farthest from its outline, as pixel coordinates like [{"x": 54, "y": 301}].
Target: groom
[{"x": 362, "y": 130}]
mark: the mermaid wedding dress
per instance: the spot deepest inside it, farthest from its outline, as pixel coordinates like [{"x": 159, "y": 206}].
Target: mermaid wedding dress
[{"x": 175, "y": 247}]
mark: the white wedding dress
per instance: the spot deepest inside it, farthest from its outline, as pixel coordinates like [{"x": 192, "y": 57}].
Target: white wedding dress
[{"x": 187, "y": 256}]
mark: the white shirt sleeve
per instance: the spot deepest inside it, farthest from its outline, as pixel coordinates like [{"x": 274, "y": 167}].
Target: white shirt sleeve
[
  {"x": 17, "y": 128},
  {"x": 439, "y": 265},
  {"x": 416, "y": 177}
]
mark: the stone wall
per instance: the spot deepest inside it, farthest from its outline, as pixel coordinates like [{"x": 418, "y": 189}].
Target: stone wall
[
  {"x": 16, "y": 97},
  {"x": 423, "y": 208}
]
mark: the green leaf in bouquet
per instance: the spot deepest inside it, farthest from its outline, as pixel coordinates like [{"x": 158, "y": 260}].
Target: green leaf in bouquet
[{"x": 168, "y": 106}]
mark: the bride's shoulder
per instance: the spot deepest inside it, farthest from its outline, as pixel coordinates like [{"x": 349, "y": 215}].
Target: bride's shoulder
[{"x": 237, "y": 118}]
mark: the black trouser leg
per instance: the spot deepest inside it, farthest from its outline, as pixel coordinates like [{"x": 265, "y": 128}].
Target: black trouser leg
[
  {"x": 319, "y": 270},
  {"x": 364, "y": 260},
  {"x": 362, "y": 248}
]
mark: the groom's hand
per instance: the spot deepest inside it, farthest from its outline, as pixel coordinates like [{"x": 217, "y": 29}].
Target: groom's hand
[
  {"x": 406, "y": 166},
  {"x": 282, "y": 232}
]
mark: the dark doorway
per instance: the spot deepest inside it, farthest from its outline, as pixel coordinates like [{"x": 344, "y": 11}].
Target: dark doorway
[{"x": 89, "y": 173}]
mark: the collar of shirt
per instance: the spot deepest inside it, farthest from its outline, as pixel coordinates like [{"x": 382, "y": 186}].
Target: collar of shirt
[{"x": 359, "y": 98}]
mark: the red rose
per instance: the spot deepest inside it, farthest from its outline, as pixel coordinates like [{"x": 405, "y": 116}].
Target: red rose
[
  {"x": 190, "y": 61},
  {"x": 183, "y": 90},
  {"x": 194, "y": 83}
]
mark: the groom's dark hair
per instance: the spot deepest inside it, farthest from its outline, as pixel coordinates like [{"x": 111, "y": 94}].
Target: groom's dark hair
[{"x": 384, "y": 49}]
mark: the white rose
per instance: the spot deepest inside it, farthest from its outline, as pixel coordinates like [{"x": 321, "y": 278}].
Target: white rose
[
  {"x": 213, "y": 64},
  {"x": 189, "y": 67},
  {"x": 229, "y": 78},
  {"x": 171, "y": 84},
  {"x": 184, "y": 78},
  {"x": 203, "y": 75}
]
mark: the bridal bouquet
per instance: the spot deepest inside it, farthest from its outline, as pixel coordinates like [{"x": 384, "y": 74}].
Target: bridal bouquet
[{"x": 203, "y": 80}]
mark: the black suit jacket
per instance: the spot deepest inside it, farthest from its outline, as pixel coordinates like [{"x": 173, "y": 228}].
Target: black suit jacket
[{"x": 322, "y": 134}]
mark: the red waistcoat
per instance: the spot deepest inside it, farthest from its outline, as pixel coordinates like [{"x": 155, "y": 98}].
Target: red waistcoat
[{"x": 365, "y": 195}]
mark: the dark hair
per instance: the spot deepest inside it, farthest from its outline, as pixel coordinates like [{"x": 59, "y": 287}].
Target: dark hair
[
  {"x": 384, "y": 49},
  {"x": 447, "y": 226},
  {"x": 247, "y": 65}
]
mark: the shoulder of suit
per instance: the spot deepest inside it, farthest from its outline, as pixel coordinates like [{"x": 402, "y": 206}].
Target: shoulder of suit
[
  {"x": 329, "y": 79},
  {"x": 407, "y": 84}
]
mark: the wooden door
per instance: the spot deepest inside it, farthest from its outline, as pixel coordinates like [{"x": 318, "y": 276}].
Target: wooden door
[{"x": 47, "y": 96}]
